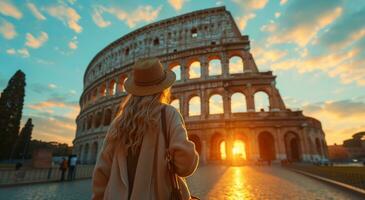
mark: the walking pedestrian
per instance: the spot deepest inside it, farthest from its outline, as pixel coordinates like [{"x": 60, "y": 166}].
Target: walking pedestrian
[
  {"x": 72, "y": 168},
  {"x": 63, "y": 168},
  {"x": 145, "y": 134}
]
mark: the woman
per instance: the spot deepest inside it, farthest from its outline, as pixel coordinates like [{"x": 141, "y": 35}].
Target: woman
[{"x": 132, "y": 163}]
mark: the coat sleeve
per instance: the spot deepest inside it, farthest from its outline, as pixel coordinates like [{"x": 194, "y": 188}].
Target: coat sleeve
[
  {"x": 101, "y": 172},
  {"x": 183, "y": 150}
]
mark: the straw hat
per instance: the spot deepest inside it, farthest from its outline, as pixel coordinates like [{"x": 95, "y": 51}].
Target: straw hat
[{"x": 148, "y": 77}]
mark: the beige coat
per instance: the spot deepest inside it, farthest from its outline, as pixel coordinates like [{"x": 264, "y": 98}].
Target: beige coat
[{"x": 110, "y": 178}]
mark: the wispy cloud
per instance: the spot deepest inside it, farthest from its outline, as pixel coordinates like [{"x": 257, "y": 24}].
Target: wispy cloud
[
  {"x": 248, "y": 7},
  {"x": 295, "y": 27},
  {"x": 20, "y": 52},
  {"x": 340, "y": 119},
  {"x": 142, "y": 14},
  {"x": 73, "y": 43},
  {"x": 67, "y": 15},
  {"x": 177, "y": 4},
  {"x": 35, "y": 11},
  {"x": 8, "y": 9},
  {"x": 98, "y": 18},
  {"x": 36, "y": 42},
  {"x": 7, "y": 29}
]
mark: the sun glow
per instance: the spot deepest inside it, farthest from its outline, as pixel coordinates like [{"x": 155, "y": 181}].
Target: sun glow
[
  {"x": 239, "y": 150},
  {"x": 222, "y": 147}
]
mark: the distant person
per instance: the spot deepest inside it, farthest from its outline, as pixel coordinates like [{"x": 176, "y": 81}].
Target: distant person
[
  {"x": 72, "y": 168},
  {"x": 132, "y": 163},
  {"x": 63, "y": 168}
]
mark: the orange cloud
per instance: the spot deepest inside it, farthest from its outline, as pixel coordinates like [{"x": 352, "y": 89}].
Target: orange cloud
[
  {"x": 6, "y": 8},
  {"x": 7, "y": 29}
]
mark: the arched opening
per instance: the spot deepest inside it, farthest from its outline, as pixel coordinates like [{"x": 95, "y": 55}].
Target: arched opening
[
  {"x": 262, "y": 102},
  {"x": 218, "y": 147},
  {"x": 267, "y": 146},
  {"x": 216, "y": 104},
  {"x": 194, "y": 33},
  {"x": 120, "y": 86},
  {"x": 102, "y": 90},
  {"x": 97, "y": 120},
  {"x": 89, "y": 122},
  {"x": 194, "y": 70},
  {"x": 112, "y": 87},
  {"x": 194, "y": 106},
  {"x": 94, "y": 152},
  {"x": 215, "y": 67},
  {"x": 156, "y": 42},
  {"x": 86, "y": 154},
  {"x": 238, "y": 103},
  {"x": 197, "y": 142},
  {"x": 292, "y": 146},
  {"x": 107, "y": 117},
  {"x": 79, "y": 153},
  {"x": 177, "y": 70},
  {"x": 176, "y": 104},
  {"x": 236, "y": 65},
  {"x": 239, "y": 150},
  {"x": 318, "y": 147}
]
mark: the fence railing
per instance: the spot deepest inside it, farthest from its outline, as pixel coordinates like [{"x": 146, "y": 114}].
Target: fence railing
[
  {"x": 23, "y": 176},
  {"x": 354, "y": 176}
]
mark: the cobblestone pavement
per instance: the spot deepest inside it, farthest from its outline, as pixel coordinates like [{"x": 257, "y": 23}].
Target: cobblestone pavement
[{"x": 209, "y": 182}]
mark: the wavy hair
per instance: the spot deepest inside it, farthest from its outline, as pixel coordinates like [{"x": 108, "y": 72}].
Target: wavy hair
[{"x": 137, "y": 115}]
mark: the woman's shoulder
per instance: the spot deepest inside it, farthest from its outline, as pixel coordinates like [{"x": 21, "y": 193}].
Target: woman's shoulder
[{"x": 171, "y": 111}]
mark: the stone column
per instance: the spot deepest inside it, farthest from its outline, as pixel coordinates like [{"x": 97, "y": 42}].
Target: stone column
[
  {"x": 279, "y": 140},
  {"x": 255, "y": 153},
  {"x": 227, "y": 105},
  {"x": 203, "y": 154},
  {"x": 117, "y": 80},
  {"x": 225, "y": 65},
  {"x": 204, "y": 67},
  {"x": 204, "y": 104},
  {"x": 250, "y": 102},
  {"x": 185, "y": 107},
  {"x": 184, "y": 71}
]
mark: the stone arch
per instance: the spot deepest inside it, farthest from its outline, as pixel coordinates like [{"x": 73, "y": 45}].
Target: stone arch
[
  {"x": 216, "y": 142},
  {"x": 262, "y": 101},
  {"x": 194, "y": 106},
  {"x": 241, "y": 137},
  {"x": 177, "y": 70},
  {"x": 120, "y": 86},
  {"x": 216, "y": 104},
  {"x": 94, "y": 152},
  {"x": 215, "y": 67},
  {"x": 318, "y": 147},
  {"x": 194, "y": 70},
  {"x": 266, "y": 146},
  {"x": 236, "y": 65},
  {"x": 97, "y": 121},
  {"x": 292, "y": 146},
  {"x": 107, "y": 117},
  {"x": 176, "y": 103},
  {"x": 86, "y": 154},
  {"x": 238, "y": 102},
  {"x": 198, "y": 145}
]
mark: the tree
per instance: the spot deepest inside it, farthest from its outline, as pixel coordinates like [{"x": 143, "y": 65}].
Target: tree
[
  {"x": 22, "y": 145},
  {"x": 11, "y": 106}
]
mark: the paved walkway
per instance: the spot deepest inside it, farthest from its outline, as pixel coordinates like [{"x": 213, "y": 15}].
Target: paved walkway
[{"x": 209, "y": 182}]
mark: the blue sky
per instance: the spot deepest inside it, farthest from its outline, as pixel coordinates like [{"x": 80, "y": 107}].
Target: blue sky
[{"x": 315, "y": 47}]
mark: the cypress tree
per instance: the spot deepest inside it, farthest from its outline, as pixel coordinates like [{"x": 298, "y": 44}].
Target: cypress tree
[
  {"x": 11, "y": 106},
  {"x": 22, "y": 145}
]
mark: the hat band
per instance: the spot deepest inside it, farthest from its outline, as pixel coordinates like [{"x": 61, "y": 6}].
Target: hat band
[{"x": 155, "y": 82}]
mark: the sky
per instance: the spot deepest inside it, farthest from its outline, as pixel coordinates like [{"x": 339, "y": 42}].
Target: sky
[{"x": 316, "y": 48}]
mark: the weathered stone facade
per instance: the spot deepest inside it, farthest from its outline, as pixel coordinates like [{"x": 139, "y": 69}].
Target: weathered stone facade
[{"x": 212, "y": 59}]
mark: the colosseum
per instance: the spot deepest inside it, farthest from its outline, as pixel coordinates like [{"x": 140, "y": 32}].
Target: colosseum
[{"x": 232, "y": 110}]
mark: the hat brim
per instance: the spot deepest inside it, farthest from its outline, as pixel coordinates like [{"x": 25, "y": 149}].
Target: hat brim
[{"x": 137, "y": 90}]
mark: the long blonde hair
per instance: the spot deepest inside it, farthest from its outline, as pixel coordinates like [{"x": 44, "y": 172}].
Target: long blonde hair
[{"x": 137, "y": 116}]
